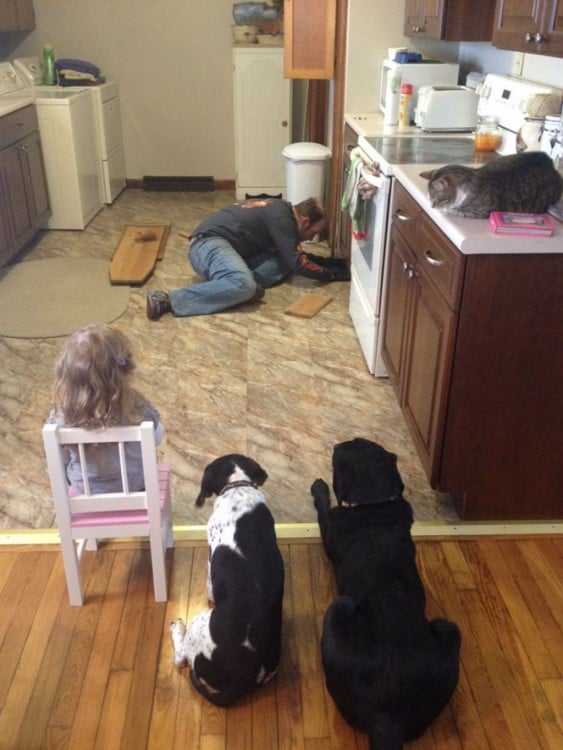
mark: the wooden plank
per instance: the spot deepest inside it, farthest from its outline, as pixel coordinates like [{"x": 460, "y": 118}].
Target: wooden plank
[
  {"x": 169, "y": 679},
  {"x": 309, "y": 305},
  {"x": 315, "y": 721},
  {"x": 139, "y": 248}
]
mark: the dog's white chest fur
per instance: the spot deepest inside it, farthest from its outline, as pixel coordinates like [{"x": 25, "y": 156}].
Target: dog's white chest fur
[{"x": 228, "y": 508}]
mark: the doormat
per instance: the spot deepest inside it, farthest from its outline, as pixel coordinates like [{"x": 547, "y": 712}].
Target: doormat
[
  {"x": 309, "y": 305},
  {"x": 139, "y": 248}
]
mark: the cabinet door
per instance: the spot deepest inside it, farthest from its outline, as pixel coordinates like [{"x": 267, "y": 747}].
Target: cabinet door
[
  {"x": 400, "y": 271},
  {"x": 553, "y": 31},
  {"x": 17, "y": 15},
  {"x": 38, "y": 196},
  {"x": 309, "y": 38},
  {"x": 515, "y": 19},
  {"x": 424, "y": 18},
  {"x": 262, "y": 98},
  {"x": 428, "y": 358},
  {"x": 6, "y": 242},
  {"x": 13, "y": 175}
]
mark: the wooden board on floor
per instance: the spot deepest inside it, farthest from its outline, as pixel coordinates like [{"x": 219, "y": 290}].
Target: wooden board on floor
[
  {"x": 309, "y": 305},
  {"x": 139, "y": 248}
]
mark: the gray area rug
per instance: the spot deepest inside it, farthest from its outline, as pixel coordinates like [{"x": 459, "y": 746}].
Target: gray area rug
[{"x": 54, "y": 297}]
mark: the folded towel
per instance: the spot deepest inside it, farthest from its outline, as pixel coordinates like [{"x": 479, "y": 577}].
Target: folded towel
[
  {"x": 82, "y": 66},
  {"x": 76, "y": 74},
  {"x": 358, "y": 192}
]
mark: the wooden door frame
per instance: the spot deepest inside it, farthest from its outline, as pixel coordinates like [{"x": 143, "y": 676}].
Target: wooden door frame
[{"x": 339, "y": 92}]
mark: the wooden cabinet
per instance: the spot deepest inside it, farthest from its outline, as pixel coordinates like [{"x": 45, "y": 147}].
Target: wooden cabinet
[
  {"x": 345, "y": 222},
  {"x": 262, "y": 99},
  {"x": 424, "y": 272},
  {"x": 17, "y": 15},
  {"x": 534, "y": 26},
  {"x": 471, "y": 343},
  {"x": 309, "y": 38},
  {"x": 24, "y": 202},
  {"x": 451, "y": 20}
]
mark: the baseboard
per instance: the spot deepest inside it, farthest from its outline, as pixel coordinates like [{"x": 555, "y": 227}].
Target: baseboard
[
  {"x": 133, "y": 184},
  {"x": 309, "y": 532}
]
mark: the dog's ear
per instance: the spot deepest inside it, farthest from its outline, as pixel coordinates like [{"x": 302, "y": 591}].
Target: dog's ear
[
  {"x": 343, "y": 473},
  {"x": 253, "y": 470},
  {"x": 208, "y": 483}
]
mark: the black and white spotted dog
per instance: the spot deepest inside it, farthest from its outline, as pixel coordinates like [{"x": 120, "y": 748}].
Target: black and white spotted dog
[
  {"x": 235, "y": 647},
  {"x": 389, "y": 670}
]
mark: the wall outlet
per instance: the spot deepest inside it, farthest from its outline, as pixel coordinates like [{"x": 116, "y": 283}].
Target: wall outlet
[{"x": 517, "y": 64}]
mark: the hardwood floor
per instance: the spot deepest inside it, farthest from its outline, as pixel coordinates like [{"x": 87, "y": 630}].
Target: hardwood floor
[{"x": 102, "y": 675}]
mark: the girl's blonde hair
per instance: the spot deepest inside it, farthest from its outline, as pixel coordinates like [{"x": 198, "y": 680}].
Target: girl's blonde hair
[{"x": 92, "y": 387}]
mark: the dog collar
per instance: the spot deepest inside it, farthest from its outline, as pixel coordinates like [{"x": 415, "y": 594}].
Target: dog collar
[{"x": 240, "y": 483}]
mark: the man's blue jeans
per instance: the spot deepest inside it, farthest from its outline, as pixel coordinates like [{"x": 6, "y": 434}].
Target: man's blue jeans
[{"x": 229, "y": 280}]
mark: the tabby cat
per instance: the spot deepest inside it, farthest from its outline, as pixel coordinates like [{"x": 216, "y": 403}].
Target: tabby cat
[{"x": 523, "y": 183}]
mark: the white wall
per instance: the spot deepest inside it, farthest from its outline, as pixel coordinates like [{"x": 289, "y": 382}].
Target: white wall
[
  {"x": 488, "y": 59},
  {"x": 172, "y": 60}
]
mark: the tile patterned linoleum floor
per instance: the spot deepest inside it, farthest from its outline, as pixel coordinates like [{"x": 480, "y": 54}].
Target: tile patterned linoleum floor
[{"x": 251, "y": 380}]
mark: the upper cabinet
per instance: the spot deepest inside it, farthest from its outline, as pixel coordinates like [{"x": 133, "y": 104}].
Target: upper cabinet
[
  {"x": 450, "y": 20},
  {"x": 534, "y": 26},
  {"x": 309, "y": 38},
  {"x": 17, "y": 15}
]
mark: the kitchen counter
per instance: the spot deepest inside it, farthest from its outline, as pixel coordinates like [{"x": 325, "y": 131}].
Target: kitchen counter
[
  {"x": 10, "y": 103},
  {"x": 371, "y": 123},
  {"x": 473, "y": 236}
]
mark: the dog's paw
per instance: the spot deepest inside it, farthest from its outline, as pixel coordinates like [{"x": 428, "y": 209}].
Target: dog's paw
[
  {"x": 321, "y": 495},
  {"x": 177, "y": 632},
  {"x": 177, "y": 627}
]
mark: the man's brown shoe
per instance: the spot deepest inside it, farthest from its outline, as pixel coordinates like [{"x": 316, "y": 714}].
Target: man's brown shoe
[{"x": 158, "y": 303}]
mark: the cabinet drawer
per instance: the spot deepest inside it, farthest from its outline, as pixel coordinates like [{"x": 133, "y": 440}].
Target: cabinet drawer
[
  {"x": 404, "y": 213},
  {"x": 350, "y": 139},
  {"x": 17, "y": 125},
  {"x": 439, "y": 260}
]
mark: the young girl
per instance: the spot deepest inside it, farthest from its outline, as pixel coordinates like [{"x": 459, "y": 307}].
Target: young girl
[{"x": 93, "y": 390}]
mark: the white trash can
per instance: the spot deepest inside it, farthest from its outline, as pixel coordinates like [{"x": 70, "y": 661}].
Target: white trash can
[{"x": 305, "y": 171}]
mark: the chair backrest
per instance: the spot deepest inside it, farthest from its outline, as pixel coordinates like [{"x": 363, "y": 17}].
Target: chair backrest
[
  {"x": 86, "y": 517},
  {"x": 74, "y": 509}
]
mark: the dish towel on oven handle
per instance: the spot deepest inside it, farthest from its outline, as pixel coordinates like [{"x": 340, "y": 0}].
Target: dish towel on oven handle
[{"x": 357, "y": 192}]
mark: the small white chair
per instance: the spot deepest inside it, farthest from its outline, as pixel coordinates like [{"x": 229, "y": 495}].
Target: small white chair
[{"x": 88, "y": 517}]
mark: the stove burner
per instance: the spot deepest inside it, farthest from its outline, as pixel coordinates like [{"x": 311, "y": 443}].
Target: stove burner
[{"x": 427, "y": 150}]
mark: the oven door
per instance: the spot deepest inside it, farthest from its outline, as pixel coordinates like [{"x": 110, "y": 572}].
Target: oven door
[
  {"x": 367, "y": 253},
  {"x": 366, "y": 288}
]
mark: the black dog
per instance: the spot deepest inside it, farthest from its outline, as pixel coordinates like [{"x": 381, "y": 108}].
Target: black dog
[
  {"x": 388, "y": 669},
  {"x": 235, "y": 647}
]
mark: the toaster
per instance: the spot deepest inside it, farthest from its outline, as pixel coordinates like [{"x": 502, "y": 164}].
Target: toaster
[{"x": 446, "y": 108}]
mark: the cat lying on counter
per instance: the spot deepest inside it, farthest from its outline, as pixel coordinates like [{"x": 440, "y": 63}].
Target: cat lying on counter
[{"x": 525, "y": 183}]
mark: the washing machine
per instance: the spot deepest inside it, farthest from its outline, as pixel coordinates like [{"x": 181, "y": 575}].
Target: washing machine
[
  {"x": 107, "y": 123},
  {"x": 68, "y": 141}
]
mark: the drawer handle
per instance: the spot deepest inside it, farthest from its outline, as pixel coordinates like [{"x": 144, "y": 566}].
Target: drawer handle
[
  {"x": 401, "y": 216},
  {"x": 433, "y": 261}
]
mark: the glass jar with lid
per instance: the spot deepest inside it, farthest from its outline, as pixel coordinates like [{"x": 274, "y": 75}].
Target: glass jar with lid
[{"x": 488, "y": 135}]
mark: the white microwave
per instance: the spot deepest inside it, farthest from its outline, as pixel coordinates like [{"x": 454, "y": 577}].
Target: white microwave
[{"x": 425, "y": 73}]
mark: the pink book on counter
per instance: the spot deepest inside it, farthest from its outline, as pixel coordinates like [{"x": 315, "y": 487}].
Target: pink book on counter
[{"x": 503, "y": 222}]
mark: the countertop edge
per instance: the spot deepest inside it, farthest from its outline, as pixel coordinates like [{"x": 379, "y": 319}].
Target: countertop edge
[
  {"x": 474, "y": 236},
  {"x": 10, "y": 104}
]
